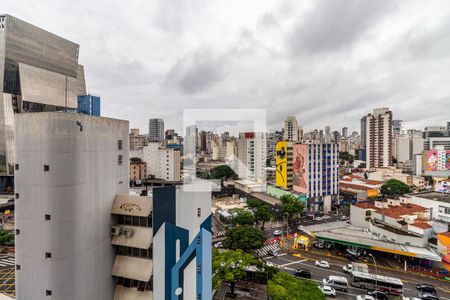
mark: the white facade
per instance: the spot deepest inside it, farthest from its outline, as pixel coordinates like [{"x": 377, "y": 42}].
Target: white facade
[
  {"x": 406, "y": 147},
  {"x": 439, "y": 204},
  {"x": 292, "y": 131},
  {"x": 69, "y": 168},
  {"x": 378, "y": 138},
  {"x": 163, "y": 163},
  {"x": 252, "y": 156}
]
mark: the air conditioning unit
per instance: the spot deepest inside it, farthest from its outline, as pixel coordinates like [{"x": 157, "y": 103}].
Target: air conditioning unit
[
  {"x": 127, "y": 231},
  {"x": 115, "y": 230}
]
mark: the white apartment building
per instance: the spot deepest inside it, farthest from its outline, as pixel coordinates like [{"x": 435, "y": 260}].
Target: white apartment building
[
  {"x": 251, "y": 150},
  {"x": 292, "y": 130},
  {"x": 163, "y": 163},
  {"x": 377, "y": 129},
  {"x": 406, "y": 147},
  {"x": 69, "y": 168}
]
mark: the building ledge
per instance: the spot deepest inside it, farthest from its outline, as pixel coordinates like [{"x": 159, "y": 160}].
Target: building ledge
[
  {"x": 124, "y": 293},
  {"x": 140, "y": 237},
  {"x": 130, "y": 205},
  {"x": 133, "y": 268}
]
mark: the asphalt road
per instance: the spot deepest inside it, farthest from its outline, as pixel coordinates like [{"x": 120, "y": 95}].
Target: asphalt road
[{"x": 289, "y": 264}]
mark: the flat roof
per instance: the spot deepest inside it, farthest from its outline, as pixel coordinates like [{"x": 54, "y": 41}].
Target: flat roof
[
  {"x": 442, "y": 197},
  {"x": 266, "y": 198}
]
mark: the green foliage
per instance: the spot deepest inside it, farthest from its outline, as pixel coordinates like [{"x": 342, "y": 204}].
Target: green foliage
[
  {"x": 263, "y": 214},
  {"x": 429, "y": 179},
  {"x": 254, "y": 203},
  {"x": 290, "y": 205},
  {"x": 243, "y": 217},
  {"x": 222, "y": 171},
  {"x": 345, "y": 156},
  {"x": 230, "y": 266},
  {"x": 6, "y": 237},
  {"x": 244, "y": 237},
  {"x": 394, "y": 187},
  {"x": 283, "y": 286}
]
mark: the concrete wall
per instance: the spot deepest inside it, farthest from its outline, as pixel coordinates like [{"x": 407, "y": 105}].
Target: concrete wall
[
  {"x": 400, "y": 239},
  {"x": 358, "y": 217},
  {"x": 77, "y": 192}
]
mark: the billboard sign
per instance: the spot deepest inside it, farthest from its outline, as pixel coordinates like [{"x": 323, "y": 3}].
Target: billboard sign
[
  {"x": 281, "y": 164},
  {"x": 447, "y": 160},
  {"x": 300, "y": 168},
  {"x": 432, "y": 160}
]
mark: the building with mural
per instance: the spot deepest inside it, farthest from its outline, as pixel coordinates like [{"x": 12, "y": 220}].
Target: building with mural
[{"x": 436, "y": 162}]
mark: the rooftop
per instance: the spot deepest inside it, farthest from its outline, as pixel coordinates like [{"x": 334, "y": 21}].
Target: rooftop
[
  {"x": 393, "y": 211},
  {"x": 442, "y": 197}
]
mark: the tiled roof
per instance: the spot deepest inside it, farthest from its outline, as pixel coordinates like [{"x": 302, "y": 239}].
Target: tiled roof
[{"x": 394, "y": 211}]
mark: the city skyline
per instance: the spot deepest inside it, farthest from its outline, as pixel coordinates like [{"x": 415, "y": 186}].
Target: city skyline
[{"x": 180, "y": 61}]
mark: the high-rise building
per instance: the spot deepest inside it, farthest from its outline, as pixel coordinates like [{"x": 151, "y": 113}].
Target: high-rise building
[
  {"x": 292, "y": 130},
  {"x": 345, "y": 132},
  {"x": 69, "y": 167},
  {"x": 376, "y": 131},
  {"x": 251, "y": 154},
  {"x": 163, "y": 163},
  {"x": 327, "y": 136},
  {"x": 156, "y": 130},
  {"x": 39, "y": 71},
  {"x": 397, "y": 127},
  {"x": 80, "y": 235},
  {"x": 137, "y": 141},
  {"x": 272, "y": 139},
  {"x": 407, "y": 146}
]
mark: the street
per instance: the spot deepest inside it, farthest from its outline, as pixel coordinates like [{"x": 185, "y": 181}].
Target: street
[{"x": 288, "y": 263}]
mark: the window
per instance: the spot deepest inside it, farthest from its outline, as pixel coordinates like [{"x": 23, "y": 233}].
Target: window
[
  {"x": 48, "y": 255},
  {"x": 17, "y": 195},
  {"x": 16, "y": 167},
  {"x": 17, "y": 231},
  {"x": 48, "y": 293},
  {"x": 120, "y": 159},
  {"x": 46, "y": 168},
  {"x": 47, "y": 217},
  {"x": 199, "y": 212},
  {"x": 119, "y": 144},
  {"x": 17, "y": 267}
]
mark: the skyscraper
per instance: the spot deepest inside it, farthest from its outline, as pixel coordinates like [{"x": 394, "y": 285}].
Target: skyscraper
[
  {"x": 292, "y": 131},
  {"x": 396, "y": 127},
  {"x": 156, "y": 130},
  {"x": 252, "y": 151},
  {"x": 39, "y": 71},
  {"x": 345, "y": 132},
  {"x": 376, "y": 134}
]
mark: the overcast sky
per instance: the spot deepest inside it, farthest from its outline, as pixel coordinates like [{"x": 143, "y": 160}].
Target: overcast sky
[{"x": 327, "y": 62}]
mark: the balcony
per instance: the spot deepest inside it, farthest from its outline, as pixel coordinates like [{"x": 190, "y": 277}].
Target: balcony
[
  {"x": 129, "y": 205},
  {"x": 131, "y": 293},
  {"x": 133, "y": 268},
  {"x": 132, "y": 236}
]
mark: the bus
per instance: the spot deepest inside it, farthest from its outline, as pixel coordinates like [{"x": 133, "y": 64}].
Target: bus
[{"x": 369, "y": 281}]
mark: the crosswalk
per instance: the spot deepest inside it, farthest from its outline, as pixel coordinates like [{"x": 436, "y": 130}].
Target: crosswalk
[
  {"x": 264, "y": 250},
  {"x": 220, "y": 233},
  {"x": 7, "y": 261}
]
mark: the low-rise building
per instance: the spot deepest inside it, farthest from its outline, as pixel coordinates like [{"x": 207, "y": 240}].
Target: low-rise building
[
  {"x": 138, "y": 169},
  {"x": 357, "y": 187}
]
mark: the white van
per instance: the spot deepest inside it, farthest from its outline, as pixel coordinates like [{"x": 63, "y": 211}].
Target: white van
[{"x": 337, "y": 282}]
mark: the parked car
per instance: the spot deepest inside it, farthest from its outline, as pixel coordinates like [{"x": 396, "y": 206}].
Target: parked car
[
  {"x": 426, "y": 288},
  {"x": 427, "y": 296},
  {"x": 345, "y": 218},
  {"x": 353, "y": 252},
  {"x": 318, "y": 244},
  {"x": 303, "y": 273},
  {"x": 378, "y": 295},
  {"x": 277, "y": 232},
  {"x": 318, "y": 218},
  {"x": 218, "y": 245},
  {"x": 322, "y": 264},
  {"x": 328, "y": 291},
  {"x": 364, "y": 297}
]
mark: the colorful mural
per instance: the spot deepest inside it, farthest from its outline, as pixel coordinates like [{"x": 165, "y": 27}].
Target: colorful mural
[
  {"x": 432, "y": 160},
  {"x": 300, "y": 168},
  {"x": 281, "y": 164},
  {"x": 447, "y": 159}
]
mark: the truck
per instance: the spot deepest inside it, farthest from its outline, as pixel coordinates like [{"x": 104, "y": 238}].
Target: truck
[{"x": 355, "y": 266}]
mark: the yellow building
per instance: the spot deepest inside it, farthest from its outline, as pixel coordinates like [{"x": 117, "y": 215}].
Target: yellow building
[{"x": 281, "y": 154}]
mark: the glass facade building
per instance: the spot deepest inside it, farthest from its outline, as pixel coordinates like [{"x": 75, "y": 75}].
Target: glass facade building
[{"x": 39, "y": 72}]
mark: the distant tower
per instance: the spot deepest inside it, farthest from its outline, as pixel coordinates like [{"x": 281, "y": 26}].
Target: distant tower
[
  {"x": 292, "y": 131},
  {"x": 345, "y": 132},
  {"x": 156, "y": 130}
]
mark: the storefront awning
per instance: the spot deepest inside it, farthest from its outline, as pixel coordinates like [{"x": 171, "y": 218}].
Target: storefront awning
[
  {"x": 140, "y": 237},
  {"x": 133, "y": 268}
]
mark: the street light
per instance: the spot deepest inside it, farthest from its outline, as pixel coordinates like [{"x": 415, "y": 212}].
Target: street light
[{"x": 376, "y": 271}]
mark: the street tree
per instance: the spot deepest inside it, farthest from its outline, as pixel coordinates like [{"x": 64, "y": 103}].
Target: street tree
[
  {"x": 394, "y": 187},
  {"x": 291, "y": 206},
  {"x": 284, "y": 286},
  {"x": 244, "y": 237},
  {"x": 230, "y": 266},
  {"x": 222, "y": 171},
  {"x": 254, "y": 203},
  {"x": 263, "y": 214},
  {"x": 243, "y": 217}
]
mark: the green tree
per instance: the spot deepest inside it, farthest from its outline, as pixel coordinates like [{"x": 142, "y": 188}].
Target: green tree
[
  {"x": 244, "y": 237},
  {"x": 230, "y": 266},
  {"x": 6, "y": 237},
  {"x": 263, "y": 214},
  {"x": 222, "y": 171},
  {"x": 243, "y": 217},
  {"x": 284, "y": 286},
  {"x": 394, "y": 187},
  {"x": 291, "y": 206},
  {"x": 254, "y": 203}
]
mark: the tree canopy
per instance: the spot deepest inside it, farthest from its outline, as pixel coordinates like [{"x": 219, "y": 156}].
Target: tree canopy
[
  {"x": 222, "y": 171},
  {"x": 243, "y": 217},
  {"x": 263, "y": 214},
  {"x": 6, "y": 237},
  {"x": 284, "y": 286},
  {"x": 244, "y": 237},
  {"x": 230, "y": 266},
  {"x": 394, "y": 187},
  {"x": 290, "y": 205}
]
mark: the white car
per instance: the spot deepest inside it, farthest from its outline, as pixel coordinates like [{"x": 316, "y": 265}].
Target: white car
[
  {"x": 328, "y": 290},
  {"x": 322, "y": 264},
  {"x": 318, "y": 218},
  {"x": 218, "y": 245},
  {"x": 364, "y": 297},
  {"x": 277, "y": 232},
  {"x": 343, "y": 218},
  {"x": 347, "y": 269}
]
